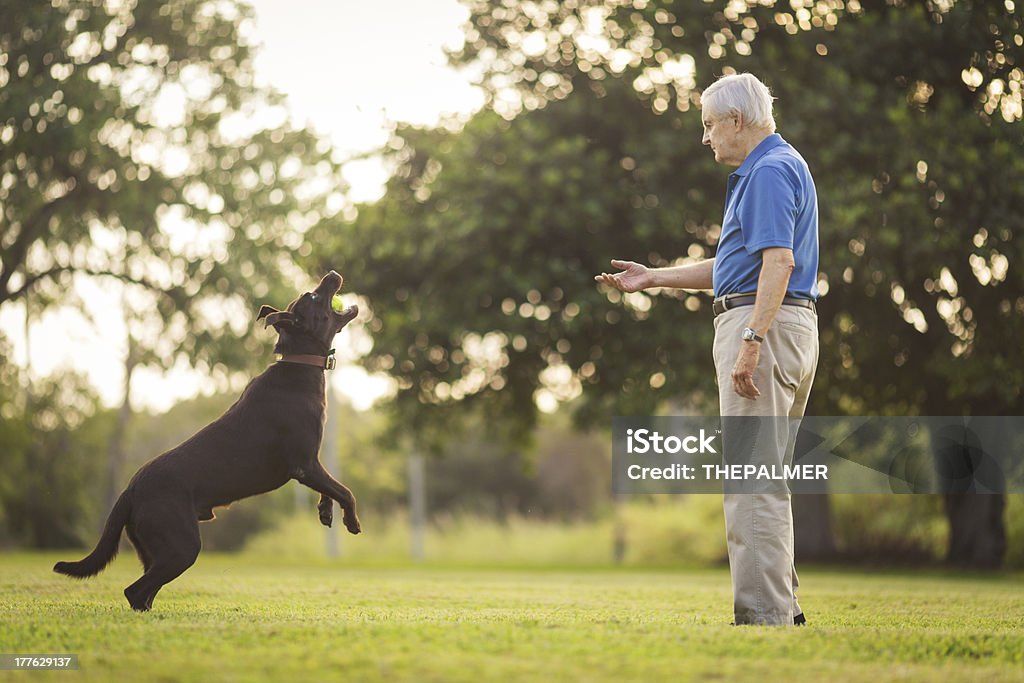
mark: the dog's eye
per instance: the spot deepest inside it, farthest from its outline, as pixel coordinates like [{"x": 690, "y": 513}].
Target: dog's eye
[{"x": 313, "y": 297}]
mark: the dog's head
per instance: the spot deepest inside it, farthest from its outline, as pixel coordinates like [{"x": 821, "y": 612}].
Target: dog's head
[{"x": 309, "y": 323}]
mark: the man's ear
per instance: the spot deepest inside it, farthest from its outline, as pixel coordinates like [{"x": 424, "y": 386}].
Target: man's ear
[{"x": 275, "y": 317}]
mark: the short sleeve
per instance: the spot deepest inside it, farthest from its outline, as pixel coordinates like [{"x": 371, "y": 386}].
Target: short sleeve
[{"x": 767, "y": 210}]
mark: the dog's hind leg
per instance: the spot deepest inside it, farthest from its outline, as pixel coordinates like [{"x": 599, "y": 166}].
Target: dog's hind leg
[
  {"x": 140, "y": 550},
  {"x": 173, "y": 544},
  {"x": 323, "y": 483}
]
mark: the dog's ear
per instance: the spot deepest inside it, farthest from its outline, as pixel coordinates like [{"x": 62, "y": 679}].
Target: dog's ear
[{"x": 275, "y": 317}]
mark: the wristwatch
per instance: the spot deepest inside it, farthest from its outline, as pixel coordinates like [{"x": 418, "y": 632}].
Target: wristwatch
[{"x": 750, "y": 335}]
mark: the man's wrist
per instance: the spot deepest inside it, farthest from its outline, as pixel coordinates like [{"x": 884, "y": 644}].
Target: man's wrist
[
  {"x": 652, "y": 278},
  {"x": 749, "y": 334}
]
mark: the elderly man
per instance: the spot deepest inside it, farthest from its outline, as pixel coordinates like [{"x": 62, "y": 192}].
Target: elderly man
[{"x": 764, "y": 277}]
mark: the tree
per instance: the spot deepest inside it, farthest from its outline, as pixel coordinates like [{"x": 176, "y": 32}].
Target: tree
[
  {"x": 53, "y": 438},
  {"x": 871, "y": 94},
  {"x": 908, "y": 114},
  {"x": 135, "y": 147},
  {"x": 479, "y": 262}
]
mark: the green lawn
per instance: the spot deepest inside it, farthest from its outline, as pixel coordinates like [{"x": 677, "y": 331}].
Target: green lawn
[{"x": 233, "y": 619}]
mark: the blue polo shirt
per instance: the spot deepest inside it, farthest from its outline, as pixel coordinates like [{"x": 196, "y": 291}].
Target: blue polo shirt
[{"x": 771, "y": 202}]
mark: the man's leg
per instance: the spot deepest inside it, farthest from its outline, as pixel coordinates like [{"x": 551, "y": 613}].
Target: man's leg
[
  {"x": 759, "y": 521},
  {"x": 799, "y": 321},
  {"x": 760, "y": 557}
]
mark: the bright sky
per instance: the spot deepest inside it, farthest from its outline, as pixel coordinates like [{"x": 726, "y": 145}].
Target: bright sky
[{"x": 348, "y": 68}]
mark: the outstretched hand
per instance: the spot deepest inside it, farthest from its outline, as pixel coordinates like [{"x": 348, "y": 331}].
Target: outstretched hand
[{"x": 632, "y": 277}]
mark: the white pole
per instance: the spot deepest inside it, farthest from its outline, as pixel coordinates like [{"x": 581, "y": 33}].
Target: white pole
[{"x": 417, "y": 504}]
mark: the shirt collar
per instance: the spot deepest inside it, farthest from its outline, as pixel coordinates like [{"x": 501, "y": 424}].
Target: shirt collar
[{"x": 766, "y": 145}]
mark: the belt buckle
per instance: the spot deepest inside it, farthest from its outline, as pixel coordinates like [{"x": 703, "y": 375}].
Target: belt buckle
[{"x": 729, "y": 297}]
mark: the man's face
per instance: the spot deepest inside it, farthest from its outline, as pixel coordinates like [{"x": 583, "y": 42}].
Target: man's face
[{"x": 722, "y": 133}]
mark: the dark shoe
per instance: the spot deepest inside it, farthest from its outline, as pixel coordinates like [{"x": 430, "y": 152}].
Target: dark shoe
[{"x": 800, "y": 620}]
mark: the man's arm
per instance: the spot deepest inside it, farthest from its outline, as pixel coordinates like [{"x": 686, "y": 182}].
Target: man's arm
[
  {"x": 777, "y": 265},
  {"x": 634, "y": 277}
]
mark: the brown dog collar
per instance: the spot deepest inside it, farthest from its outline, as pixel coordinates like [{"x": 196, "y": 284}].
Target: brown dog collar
[{"x": 322, "y": 362}]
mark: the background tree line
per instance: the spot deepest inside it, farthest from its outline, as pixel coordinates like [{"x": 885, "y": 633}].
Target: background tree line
[
  {"x": 136, "y": 151},
  {"x": 909, "y": 116},
  {"x": 478, "y": 262}
]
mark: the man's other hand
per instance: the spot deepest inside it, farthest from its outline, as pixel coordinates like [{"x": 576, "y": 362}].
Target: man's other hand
[{"x": 743, "y": 371}]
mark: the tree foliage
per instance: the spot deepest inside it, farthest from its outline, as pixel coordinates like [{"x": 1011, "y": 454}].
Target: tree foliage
[
  {"x": 136, "y": 146},
  {"x": 908, "y": 114},
  {"x": 54, "y": 438},
  {"x": 478, "y": 264}
]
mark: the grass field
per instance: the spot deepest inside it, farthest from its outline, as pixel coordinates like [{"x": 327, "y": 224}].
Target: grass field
[{"x": 242, "y": 619}]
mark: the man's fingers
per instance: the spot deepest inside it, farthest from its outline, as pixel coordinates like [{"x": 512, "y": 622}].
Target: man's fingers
[
  {"x": 749, "y": 390},
  {"x": 621, "y": 264},
  {"x": 613, "y": 281},
  {"x": 743, "y": 384}
]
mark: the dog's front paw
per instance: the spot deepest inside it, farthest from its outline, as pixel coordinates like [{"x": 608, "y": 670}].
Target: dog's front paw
[
  {"x": 352, "y": 524},
  {"x": 326, "y": 514}
]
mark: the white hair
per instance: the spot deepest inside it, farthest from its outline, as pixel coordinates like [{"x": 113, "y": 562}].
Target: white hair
[{"x": 740, "y": 94}]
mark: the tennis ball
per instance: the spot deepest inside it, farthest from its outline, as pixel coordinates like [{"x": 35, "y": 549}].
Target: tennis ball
[{"x": 336, "y": 303}]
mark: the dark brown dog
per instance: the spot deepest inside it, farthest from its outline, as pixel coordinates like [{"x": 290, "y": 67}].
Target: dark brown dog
[{"x": 269, "y": 436}]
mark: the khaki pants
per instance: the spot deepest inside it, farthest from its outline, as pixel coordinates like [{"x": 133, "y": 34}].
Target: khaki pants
[{"x": 759, "y": 526}]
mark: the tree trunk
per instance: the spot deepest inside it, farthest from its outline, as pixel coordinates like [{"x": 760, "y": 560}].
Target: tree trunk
[
  {"x": 115, "y": 449},
  {"x": 812, "y": 522},
  {"x": 971, "y": 456},
  {"x": 619, "y": 539},
  {"x": 977, "y": 532}
]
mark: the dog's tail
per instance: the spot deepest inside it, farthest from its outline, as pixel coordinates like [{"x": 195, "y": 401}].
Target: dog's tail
[{"x": 106, "y": 548}]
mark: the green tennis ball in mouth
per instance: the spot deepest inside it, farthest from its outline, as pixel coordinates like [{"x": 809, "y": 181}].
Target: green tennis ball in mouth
[{"x": 336, "y": 303}]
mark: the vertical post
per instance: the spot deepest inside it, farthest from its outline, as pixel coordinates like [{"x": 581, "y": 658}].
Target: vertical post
[
  {"x": 301, "y": 498},
  {"x": 619, "y": 531},
  {"x": 329, "y": 457},
  {"x": 116, "y": 456},
  {"x": 417, "y": 505},
  {"x": 28, "y": 352}
]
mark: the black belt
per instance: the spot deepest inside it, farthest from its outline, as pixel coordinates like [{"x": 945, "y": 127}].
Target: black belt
[{"x": 730, "y": 301}]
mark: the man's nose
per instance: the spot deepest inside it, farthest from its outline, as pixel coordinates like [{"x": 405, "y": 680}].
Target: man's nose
[{"x": 706, "y": 140}]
